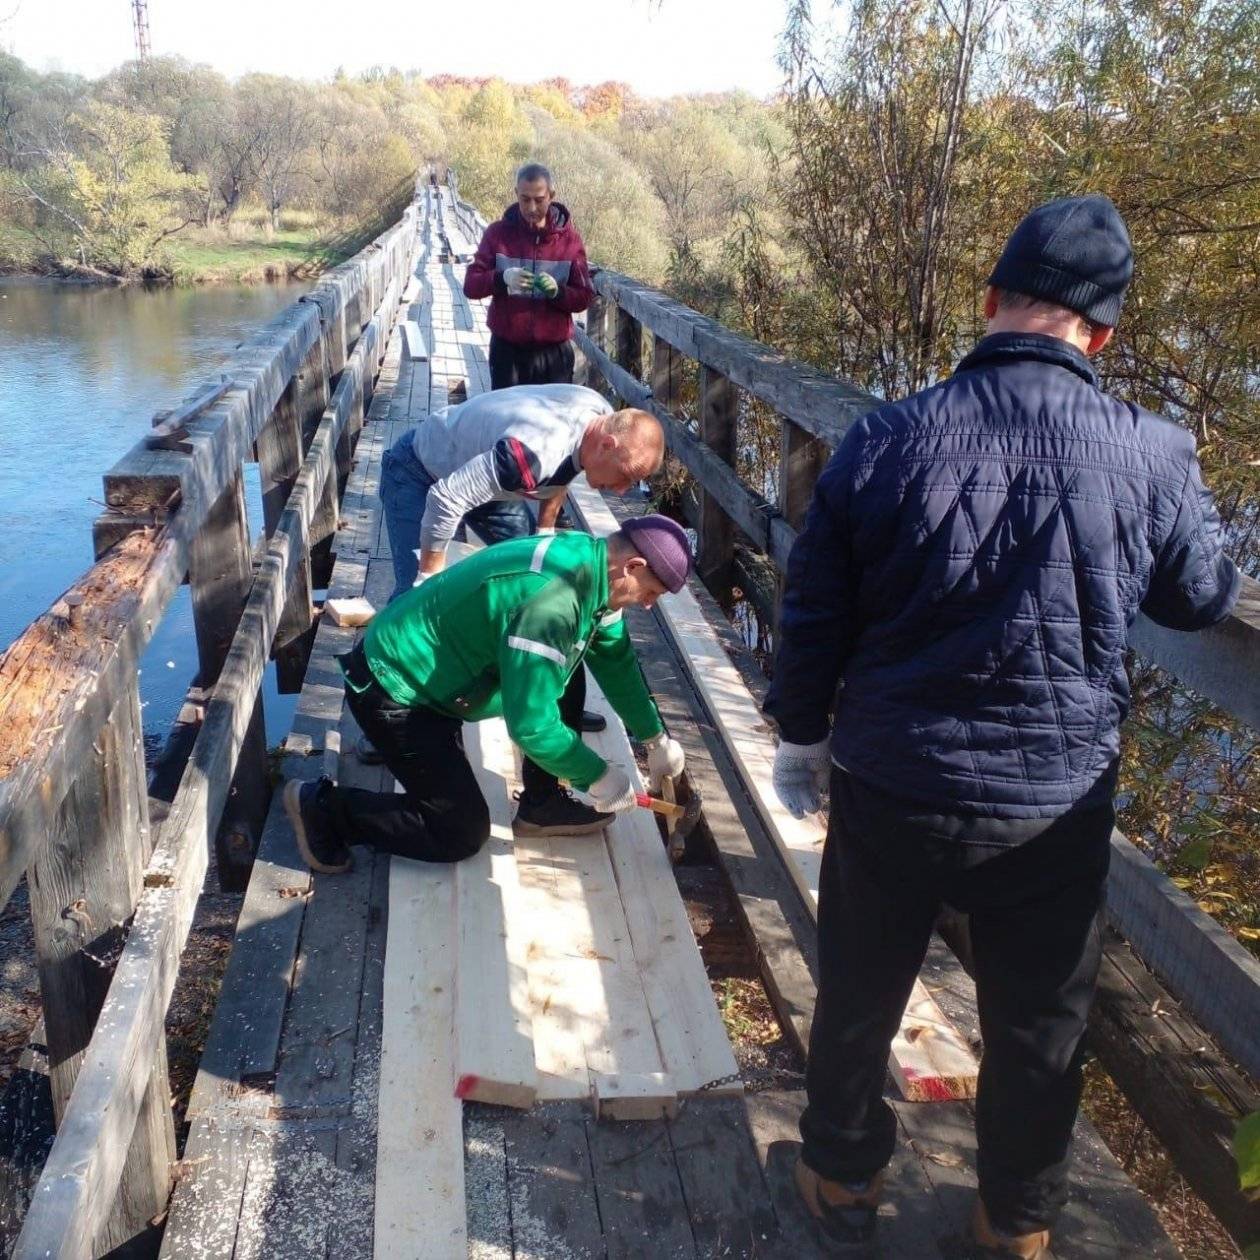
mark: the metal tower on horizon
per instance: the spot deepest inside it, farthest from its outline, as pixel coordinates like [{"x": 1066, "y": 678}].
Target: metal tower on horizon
[{"x": 140, "y": 20}]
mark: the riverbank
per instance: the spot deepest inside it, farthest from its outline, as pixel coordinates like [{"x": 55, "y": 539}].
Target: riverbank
[{"x": 240, "y": 255}]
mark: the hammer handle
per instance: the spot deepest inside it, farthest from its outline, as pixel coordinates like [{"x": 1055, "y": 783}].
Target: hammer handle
[{"x": 657, "y": 806}]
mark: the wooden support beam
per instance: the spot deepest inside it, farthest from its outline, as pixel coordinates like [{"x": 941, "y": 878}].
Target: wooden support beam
[
  {"x": 83, "y": 890},
  {"x": 629, "y": 343},
  {"x": 666, "y": 373}
]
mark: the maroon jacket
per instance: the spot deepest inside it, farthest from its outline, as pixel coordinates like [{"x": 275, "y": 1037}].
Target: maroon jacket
[{"x": 557, "y": 249}]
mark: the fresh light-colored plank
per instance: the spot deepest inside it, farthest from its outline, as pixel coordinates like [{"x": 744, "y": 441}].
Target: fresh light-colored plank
[
  {"x": 927, "y": 1065},
  {"x": 494, "y": 1026},
  {"x": 689, "y": 1031},
  {"x": 590, "y": 1013},
  {"x": 420, "y": 1142}
]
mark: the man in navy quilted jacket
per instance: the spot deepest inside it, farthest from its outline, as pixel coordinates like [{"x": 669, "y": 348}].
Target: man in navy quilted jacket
[{"x": 971, "y": 564}]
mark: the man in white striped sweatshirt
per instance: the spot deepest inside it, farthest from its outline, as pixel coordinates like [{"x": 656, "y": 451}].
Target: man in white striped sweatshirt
[{"x": 481, "y": 462}]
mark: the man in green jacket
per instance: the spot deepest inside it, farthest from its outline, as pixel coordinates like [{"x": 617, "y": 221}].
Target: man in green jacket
[{"x": 500, "y": 633}]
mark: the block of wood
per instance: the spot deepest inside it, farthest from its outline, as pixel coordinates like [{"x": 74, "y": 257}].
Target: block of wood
[{"x": 350, "y": 612}]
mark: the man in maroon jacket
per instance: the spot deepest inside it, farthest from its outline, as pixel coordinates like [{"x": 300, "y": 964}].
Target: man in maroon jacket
[{"x": 531, "y": 264}]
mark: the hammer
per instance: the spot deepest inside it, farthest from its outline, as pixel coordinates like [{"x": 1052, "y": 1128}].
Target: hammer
[{"x": 680, "y": 818}]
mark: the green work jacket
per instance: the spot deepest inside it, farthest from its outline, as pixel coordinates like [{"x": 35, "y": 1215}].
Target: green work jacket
[{"x": 501, "y": 633}]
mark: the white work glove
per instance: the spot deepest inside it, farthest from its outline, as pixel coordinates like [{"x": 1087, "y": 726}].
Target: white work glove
[
  {"x": 612, "y": 792},
  {"x": 800, "y": 774},
  {"x": 665, "y": 757},
  {"x": 546, "y": 285},
  {"x": 543, "y": 530},
  {"x": 519, "y": 281}
]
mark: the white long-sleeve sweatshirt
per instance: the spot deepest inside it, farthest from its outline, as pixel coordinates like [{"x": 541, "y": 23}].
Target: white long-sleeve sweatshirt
[{"x": 518, "y": 443}]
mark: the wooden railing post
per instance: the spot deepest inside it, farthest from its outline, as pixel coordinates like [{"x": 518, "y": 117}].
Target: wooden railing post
[
  {"x": 719, "y": 410},
  {"x": 83, "y": 890},
  {"x": 666, "y": 373},
  {"x": 279, "y": 453},
  {"x": 296, "y": 632},
  {"x": 629, "y": 345},
  {"x": 596, "y": 321},
  {"x": 801, "y": 458},
  {"x": 220, "y": 573}
]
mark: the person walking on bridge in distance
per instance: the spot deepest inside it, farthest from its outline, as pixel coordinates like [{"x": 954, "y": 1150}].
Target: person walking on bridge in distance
[
  {"x": 970, "y": 566},
  {"x": 499, "y": 633},
  {"x": 480, "y": 461},
  {"x": 531, "y": 264}
]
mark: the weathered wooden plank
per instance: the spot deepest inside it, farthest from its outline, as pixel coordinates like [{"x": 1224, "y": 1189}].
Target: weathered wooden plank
[
  {"x": 755, "y": 515},
  {"x": 823, "y": 405},
  {"x": 728, "y": 1203},
  {"x": 641, "y": 1203},
  {"x": 1175, "y": 1079},
  {"x": 552, "y": 1192},
  {"x": 420, "y": 1152},
  {"x": 413, "y": 338},
  {"x": 1221, "y": 663}
]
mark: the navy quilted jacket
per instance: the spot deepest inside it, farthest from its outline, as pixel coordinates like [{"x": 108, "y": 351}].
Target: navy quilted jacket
[{"x": 970, "y": 566}]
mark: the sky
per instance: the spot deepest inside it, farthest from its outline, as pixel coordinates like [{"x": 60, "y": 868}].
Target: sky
[{"x": 659, "y": 47}]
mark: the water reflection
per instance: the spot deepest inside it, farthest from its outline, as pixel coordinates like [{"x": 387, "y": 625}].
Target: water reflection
[{"x": 82, "y": 370}]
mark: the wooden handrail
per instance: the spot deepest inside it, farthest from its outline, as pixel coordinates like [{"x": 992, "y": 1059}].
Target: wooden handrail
[{"x": 68, "y": 690}]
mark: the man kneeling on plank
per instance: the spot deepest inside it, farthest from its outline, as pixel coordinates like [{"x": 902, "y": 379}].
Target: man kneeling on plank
[{"x": 500, "y": 633}]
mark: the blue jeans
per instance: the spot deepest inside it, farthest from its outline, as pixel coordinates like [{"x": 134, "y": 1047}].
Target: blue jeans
[{"x": 405, "y": 486}]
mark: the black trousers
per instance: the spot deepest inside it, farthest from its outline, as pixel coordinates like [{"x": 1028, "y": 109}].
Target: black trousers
[
  {"x": 511, "y": 364},
  {"x": 1033, "y": 889},
  {"x": 441, "y": 815}
]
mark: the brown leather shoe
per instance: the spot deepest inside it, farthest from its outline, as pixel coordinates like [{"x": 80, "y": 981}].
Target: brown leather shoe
[
  {"x": 845, "y": 1214},
  {"x": 1024, "y": 1246}
]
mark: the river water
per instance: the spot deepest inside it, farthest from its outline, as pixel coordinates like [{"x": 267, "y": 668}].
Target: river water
[{"x": 82, "y": 370}]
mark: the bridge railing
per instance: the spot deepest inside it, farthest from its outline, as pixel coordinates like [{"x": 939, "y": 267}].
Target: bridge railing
[{"x": 114, "y": 875}]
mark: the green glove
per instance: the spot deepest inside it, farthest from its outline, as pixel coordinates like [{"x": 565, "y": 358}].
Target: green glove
[{"x": 545, "y": 285}]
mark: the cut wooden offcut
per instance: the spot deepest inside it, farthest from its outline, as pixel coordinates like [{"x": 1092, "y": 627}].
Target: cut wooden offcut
[
  {"x": 930, "y": 1061},
  {"x": 355, "y": 611},
  {"x": 627, "y": 1096}
]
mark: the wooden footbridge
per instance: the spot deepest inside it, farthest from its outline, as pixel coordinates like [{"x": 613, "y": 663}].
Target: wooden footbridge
[{"x": 520, "y": 1056}]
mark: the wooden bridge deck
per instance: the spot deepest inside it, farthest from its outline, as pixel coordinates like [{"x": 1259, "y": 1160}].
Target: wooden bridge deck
[{"x": 282, "y": 1160}]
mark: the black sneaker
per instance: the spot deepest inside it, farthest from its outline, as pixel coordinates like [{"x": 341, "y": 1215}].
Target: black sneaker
[
  {"x": 593, "y": 722},
  {"x": 307, "y": 811},
  {"x": 560, "y": 814}
]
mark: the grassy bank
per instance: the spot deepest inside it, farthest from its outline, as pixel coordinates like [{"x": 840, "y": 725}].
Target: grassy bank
[{"x": 247, "y": 251}]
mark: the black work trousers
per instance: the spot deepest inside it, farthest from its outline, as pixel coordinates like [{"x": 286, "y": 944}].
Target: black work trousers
[
  {"x": 1033, "y": 889},
  {"x": 441, "y": 815},
  {"x": 511, "y": 364}
]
